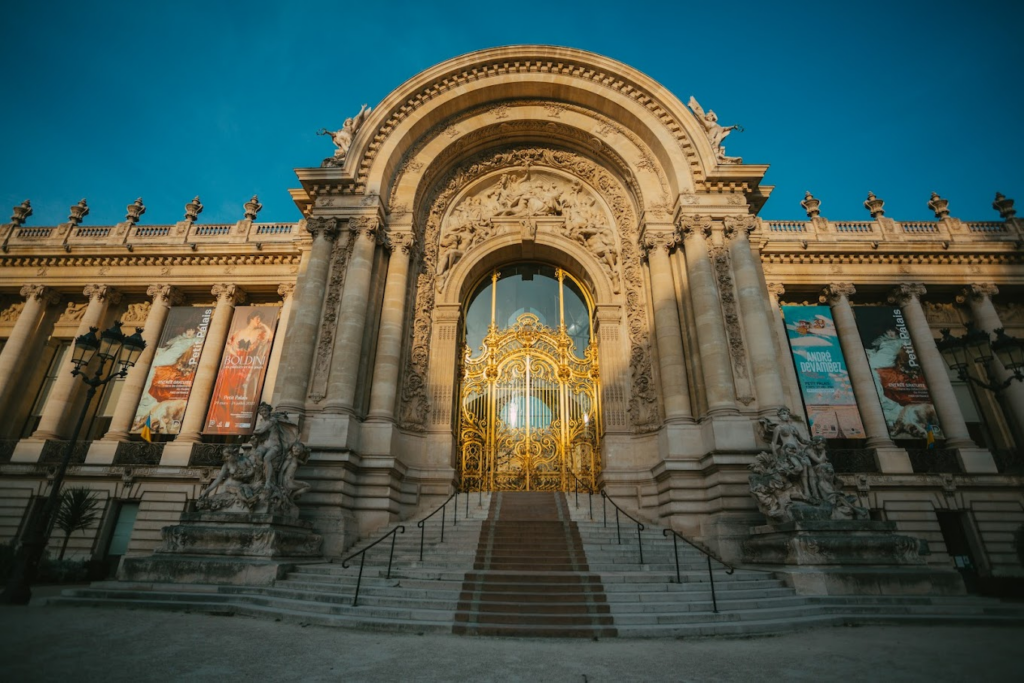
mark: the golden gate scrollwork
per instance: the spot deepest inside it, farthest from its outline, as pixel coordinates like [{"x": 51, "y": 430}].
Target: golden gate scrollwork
[{"x": 529, "y": 414}]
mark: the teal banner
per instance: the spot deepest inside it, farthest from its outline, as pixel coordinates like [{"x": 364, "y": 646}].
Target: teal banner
[{"x": 821, "y": 370}]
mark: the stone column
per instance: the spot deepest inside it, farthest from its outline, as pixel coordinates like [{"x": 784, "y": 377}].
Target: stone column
[
  {"x": 708, "y": 317},
  {"x": 164, "y": 296},
  {"x": 303, "y": 330},
  {"x": 23, "y": 338},
  {"x": 286, "y": 292},
  {"x": 790, "y": 380},
  {"x": 754, "y": 309},
  {"x": 674, "y": 386},
  {"x": 979, "y": 298},
  {"x": 228, "y": 296},
  {"x": 386, "y": 367},
  {"x": 55, "y": 417},
  {"x": 837, "y": 296},
  {"x": 908, "y": 297},
  {"x": 348, "y": 345}
]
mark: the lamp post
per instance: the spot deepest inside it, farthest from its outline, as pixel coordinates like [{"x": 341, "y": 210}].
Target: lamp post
[
  {"x": 111, "y": 346},
  {"x": 975, "y": 347}
]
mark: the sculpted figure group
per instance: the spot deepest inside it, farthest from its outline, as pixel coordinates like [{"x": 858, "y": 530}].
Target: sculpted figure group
[
  {"x": 716, "y": 132},
  {"x": 259, "y": 476},
  {"x": 796, "y": 481},
  {"x": 527, "y": 195}
]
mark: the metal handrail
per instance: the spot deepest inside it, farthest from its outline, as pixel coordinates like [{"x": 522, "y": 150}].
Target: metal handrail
[
  {"x": 588, "y": 489},
  {"x": 707, "y": 553},
  {"x": 618, "y": 531},
  {"x": 344, "y": 563},
  {"x": 422, "y": 523}
]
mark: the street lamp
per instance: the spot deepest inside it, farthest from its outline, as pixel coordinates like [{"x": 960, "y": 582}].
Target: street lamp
[
  {"x": 111, "y": 346},
  {"x": 975, "y": 347}
]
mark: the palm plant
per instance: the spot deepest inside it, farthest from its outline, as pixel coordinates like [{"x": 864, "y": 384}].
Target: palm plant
[{"x": 76, "y": 512}]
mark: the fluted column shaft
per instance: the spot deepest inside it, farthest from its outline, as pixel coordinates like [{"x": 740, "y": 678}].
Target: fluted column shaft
[
  {"x": 837, "y": 295},
  {"x": 56, "y": 412},
  {"x": 708, "y": 318},
  {"x": 951, "y": 419},
  {"x": 286, "y": 291},
  {"x": 24, "y": 336},
  {"x": 348, "y": 345},
  {"x": 384, "y": 389},
  {"x": 164, "y": 296},
  {"x": 979, "y": 298},
  {"x": 754, "y": 309},
  {"x": 672, "y": 366},
  {"x": 228, "y": 296},
  {"x": 301, "y": 335}
]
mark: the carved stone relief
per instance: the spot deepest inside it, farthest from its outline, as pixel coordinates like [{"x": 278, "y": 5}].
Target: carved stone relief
[
  {"x": 415, "y": 402},
  {"x": 522, "y": 126},
  {"x": 340, "y": 253},
  {"x": 528, "y": 193},
  {"x": 11, "y": 313},
  {"x": 136, "y": 313},
  {"x": 737, "y": 351}
]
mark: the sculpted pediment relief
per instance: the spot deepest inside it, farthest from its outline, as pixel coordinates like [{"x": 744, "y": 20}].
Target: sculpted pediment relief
[{"x": 501, "y": 203}]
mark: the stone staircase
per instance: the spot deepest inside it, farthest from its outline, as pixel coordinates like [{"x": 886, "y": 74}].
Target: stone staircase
[{"x": 535, "y": 564}]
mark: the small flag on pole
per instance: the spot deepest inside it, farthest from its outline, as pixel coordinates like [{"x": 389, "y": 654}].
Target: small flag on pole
[
  {"x": 930, "y": 436},
  {"x": 147, "y": 431}
]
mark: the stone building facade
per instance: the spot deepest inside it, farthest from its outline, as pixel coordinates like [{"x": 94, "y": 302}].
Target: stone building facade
[{"x": 569, "y": 163}]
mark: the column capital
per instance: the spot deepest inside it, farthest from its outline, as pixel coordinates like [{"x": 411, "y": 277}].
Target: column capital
[
  {"x": 102, "y": 293},
  {"x": 652, "y": 241},
  {"x": 739, "y": 227},
  {"x": 902, "y": 293},
  {"x": 45, "y": 295},
  {"x": 232, "y": 294},
  {"x": 691, "y": 225},
  {"x": 168, "y": 294},
  {"x": 405, "y": 241},
  {"x": 367, "y": 226},
  {"x": 325, "y": 228},
  {"x": 286, "y": 289},
  {"x": 776, "y": 289},
  {"x": 977, "y": 291},
  {"x": 836, "y": 291}
]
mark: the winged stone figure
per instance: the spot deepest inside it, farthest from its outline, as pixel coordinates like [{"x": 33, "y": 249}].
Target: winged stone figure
[
  {"x": 343, "y": 137},
  {"x": 716, "y": 132}
]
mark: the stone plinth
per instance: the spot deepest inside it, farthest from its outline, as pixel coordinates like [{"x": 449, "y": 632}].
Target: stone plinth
[
  {"x": 848, "y": 557},
  {"x": 226, "y": 548}
]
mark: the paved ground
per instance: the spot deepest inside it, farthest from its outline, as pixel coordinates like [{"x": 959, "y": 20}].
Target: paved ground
[{"x": 91, "y": 644}]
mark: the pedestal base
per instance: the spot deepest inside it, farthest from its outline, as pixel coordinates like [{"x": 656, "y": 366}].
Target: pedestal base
[
  {"x": 848, "y": 557},
  {"x": 226, "y": 548}
]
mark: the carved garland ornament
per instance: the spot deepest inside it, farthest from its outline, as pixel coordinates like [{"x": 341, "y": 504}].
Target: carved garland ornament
[
  {"x": 415, "y": 403},
  {"x": 340, "y": 253}
]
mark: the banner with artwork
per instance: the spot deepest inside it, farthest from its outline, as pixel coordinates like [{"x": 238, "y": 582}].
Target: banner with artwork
[
  {"x": 236, "y": 394},
  {"x": 165, "y": 394},
  {"x": 821, "y": 369},
  {"x": 898, "y": 377}
]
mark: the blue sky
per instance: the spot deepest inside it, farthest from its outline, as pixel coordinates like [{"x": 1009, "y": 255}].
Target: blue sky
[{"x": 112, "y": 101}]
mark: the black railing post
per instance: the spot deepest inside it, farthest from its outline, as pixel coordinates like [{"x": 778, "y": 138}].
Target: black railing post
[
  {"x": 455, "y": 509},
  {"x": 618, "y": 533},
  {"x": 711, "y": 575},
  {"x": 467, "y": 503},
  {"x": 604, "y": 506},
  {"x": 577, "y": 492},
  {"x": 359, "y": 579},
  {"x": 590, "y": 504},
  {"x": 443, "y": 513},
  {"x": 423, "y": 530},
  {"x": 391, "y": 557},
  {"x": 675, "y": 551},
  {"x": 639, "y": 541}
]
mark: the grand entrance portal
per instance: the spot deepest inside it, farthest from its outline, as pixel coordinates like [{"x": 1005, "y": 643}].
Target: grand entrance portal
[{"x": 529, "y": 417}]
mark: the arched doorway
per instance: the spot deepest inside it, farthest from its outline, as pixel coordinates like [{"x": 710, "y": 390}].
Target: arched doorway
[{"x": 529, "y": 413}]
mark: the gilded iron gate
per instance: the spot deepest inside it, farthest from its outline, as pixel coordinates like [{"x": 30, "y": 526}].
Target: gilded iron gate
[{"x": 530, "y": 414}]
